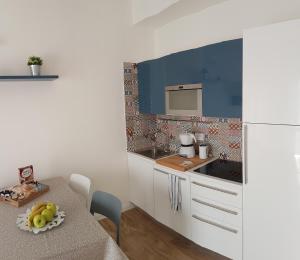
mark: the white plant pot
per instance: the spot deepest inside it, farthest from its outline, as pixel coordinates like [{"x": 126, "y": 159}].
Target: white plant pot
[{"x": 35, "y": 70}]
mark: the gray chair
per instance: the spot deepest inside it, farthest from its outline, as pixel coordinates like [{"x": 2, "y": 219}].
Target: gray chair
[{"x": 108, "y": 205}]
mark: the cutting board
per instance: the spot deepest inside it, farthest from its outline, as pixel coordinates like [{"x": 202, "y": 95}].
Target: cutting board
[{"x": 179, "y": 163}]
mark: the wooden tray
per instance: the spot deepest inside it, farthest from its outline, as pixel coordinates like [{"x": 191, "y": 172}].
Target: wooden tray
[
  {"x": 180, "y": 163},
  {"x": 30, "y": 193}
]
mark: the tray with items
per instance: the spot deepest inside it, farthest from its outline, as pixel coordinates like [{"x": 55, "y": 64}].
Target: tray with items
[
  {"x": 26, "y": 191},
  {"x": 21, "y": 194}
]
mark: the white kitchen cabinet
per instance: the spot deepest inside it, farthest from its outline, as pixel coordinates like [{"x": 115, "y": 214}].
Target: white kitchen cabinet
[
  {"x": 211, "y": 213},
  {"x": 178, "y": 221},
  {"x": 226, "y": 192},
  {"x": 141, "y": 182},
  {"x": 271, "y": 69},
  {"x": 216, "y": 236},
  {"x": 271, "y": 136},
  {"x": 216, "y": 215}
]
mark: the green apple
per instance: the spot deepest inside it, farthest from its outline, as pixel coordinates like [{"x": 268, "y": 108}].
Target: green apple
[
  {"x": 48, "y": 214},
  {"x": 39, "y": 221},
  {"x": 51, "y": 206}
]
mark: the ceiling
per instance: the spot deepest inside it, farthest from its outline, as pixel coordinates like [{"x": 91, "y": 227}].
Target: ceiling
[{"x": 174, "y": 10}]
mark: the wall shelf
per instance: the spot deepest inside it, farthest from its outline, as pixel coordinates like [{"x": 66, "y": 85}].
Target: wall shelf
[{"x": 29, "y": 78}]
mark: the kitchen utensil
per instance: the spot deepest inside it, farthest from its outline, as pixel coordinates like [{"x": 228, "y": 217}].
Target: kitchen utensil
[
  {"x": 187, "y": 145},
  {"x": 203, "y": 151}
]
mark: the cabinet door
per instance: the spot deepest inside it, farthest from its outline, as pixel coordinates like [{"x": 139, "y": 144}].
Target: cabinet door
[
  {"x": 161, "y": 198},
  {"x": 222, "y": 80},
  {"x": 184, "y": 67},
  {"x": 272, "y": 192},
  {"x": 178, "y": 221},
  {"x": 144, "y": 87},
  {"x": 271, "y": 74},
  {"x": 157, "y": 85},
  {"x": 151, "y": 87},
  {"x": 141, "y": 182}
]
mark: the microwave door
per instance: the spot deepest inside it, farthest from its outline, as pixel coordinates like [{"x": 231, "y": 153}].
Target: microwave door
[{"x": 184, "y": 102}]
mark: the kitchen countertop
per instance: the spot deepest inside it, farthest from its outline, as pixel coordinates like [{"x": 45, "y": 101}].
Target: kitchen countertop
[{"x": 205, "y": 169}]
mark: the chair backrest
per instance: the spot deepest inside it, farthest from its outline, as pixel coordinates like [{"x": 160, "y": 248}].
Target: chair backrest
[
  {"x": 106, "y": 204},
  {"x": 81, "y": 184}
]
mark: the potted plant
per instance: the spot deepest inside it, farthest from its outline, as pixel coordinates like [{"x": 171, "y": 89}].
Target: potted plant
[{"x": 35, "y": 64}]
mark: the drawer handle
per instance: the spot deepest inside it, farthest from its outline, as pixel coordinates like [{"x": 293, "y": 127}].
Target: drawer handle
[
  {"x": 215, "y": 188},
  {"x": 215, "y": 206},
  {"x": 180, "y": 178},
  {"x": 215, "y": 224}
]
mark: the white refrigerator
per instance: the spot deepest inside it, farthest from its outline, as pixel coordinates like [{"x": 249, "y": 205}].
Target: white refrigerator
[{"x": 271, "y": 142}]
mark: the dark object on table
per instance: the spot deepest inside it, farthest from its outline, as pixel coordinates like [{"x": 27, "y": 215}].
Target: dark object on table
[{"x": 6, "y": 193}]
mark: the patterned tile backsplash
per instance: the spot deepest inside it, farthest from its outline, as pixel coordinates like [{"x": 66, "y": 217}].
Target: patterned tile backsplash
[{"x": 144, "y": 131}]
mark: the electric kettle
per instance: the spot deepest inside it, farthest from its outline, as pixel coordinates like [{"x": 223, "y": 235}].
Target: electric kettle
[{"x": 187, "y": 145}]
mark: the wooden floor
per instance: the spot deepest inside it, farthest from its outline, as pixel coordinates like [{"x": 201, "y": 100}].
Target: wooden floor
[{"x": 143, "y": 238}]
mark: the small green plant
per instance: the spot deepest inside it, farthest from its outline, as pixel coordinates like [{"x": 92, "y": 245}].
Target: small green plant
[{"x": 34, "y": 60}]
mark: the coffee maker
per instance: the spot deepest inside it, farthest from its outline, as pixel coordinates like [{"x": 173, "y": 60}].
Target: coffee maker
[{"x": 187, "y": 145}]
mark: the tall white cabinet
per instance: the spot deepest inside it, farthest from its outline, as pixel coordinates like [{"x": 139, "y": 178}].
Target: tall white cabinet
[
  {"x": 271, "y": 74},
  {"x": 271, "y": 107}
]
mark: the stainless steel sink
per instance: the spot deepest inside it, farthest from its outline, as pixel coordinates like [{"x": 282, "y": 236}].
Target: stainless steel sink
[{"x": 155, "y": 153}]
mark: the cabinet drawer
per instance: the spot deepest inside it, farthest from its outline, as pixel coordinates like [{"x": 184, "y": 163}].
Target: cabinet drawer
[
  {"x": 225, "y": 193},
  {"x": 216, "y": 236},
  {"x": 223, "y": 213}
]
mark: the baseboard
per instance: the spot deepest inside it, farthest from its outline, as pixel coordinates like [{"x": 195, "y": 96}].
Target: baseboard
[{"x": 128, "y": 206}]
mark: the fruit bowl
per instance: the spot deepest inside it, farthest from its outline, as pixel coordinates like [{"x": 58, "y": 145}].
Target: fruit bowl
[{"x": 22, "y": 221}]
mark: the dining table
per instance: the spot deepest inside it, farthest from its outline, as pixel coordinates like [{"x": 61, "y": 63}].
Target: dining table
[{"x": 80, "y": 236}]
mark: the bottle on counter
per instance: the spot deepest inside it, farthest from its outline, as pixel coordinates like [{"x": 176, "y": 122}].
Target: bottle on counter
[{"x": 203, "y": 146}]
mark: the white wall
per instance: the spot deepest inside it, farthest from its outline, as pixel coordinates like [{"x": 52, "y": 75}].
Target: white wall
[
  {"x": 76, "y": 123},
  {"x": 221, "y": 22}
]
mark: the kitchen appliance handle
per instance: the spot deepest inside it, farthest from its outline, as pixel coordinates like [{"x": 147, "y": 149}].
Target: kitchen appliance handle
[
  {"x": 215, "y": 188},
  {"x": 193, "y": 136},
  {"x": 214, "y": 224},
  {"x": 215, "y": 206},
  {"x": 180, "y": 178},
  {"x": 245, "y": 132}
]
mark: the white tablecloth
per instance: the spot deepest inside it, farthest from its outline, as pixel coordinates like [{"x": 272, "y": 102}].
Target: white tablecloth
[{"x": 79, "y": 237}]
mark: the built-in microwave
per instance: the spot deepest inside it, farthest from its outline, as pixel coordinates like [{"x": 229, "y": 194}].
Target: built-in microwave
[{"x": 184, "y": 100}]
